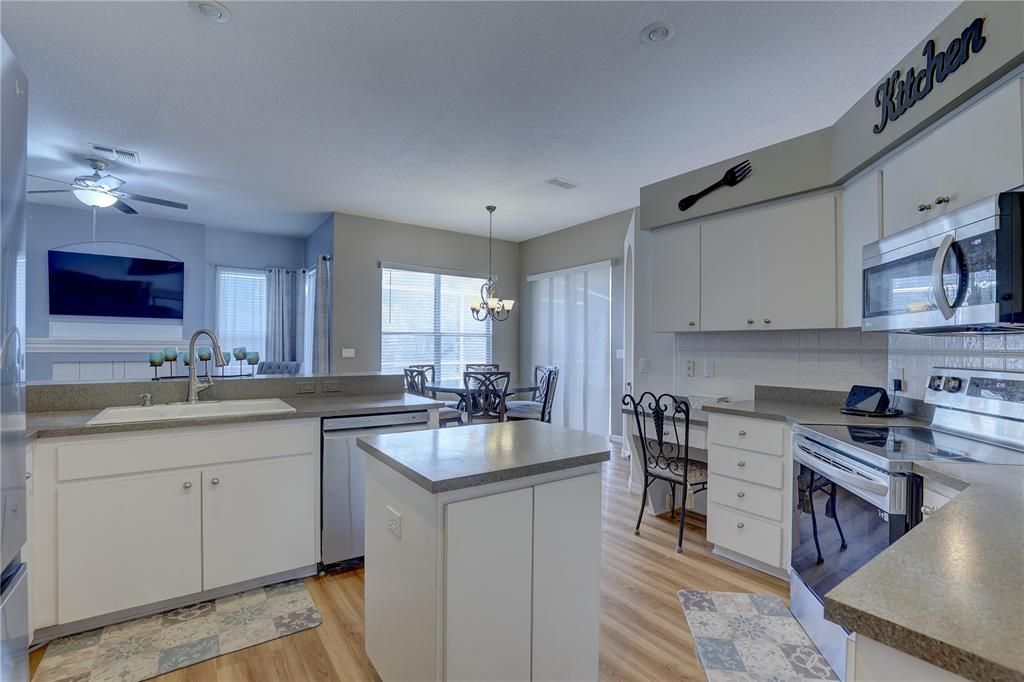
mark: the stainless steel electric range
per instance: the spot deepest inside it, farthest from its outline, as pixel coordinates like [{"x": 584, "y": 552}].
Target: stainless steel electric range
[{"x": 855, "y": 490}]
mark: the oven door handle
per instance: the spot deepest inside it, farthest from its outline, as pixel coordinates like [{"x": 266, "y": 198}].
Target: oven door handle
[
  {"x": 938, "y": 286},
  {"x": 837, "y": 475}
]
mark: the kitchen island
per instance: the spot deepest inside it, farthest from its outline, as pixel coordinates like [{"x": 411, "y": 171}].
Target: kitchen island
[{"x": 483, "y": 552}]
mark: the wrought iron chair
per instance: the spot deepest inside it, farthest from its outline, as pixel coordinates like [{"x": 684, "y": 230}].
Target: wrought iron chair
[
  {"x": 486, "y": 393},
  {"x": 540, "y": 403},
  {"x": 416, "y": 384},
  {"x": 493, "y": 367},
  {"x": 665, "y": 460},
  {"x": 431, "y": 371}
]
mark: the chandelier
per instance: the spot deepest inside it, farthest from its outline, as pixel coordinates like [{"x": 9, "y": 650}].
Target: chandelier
[{"x": 491, "y": 305}]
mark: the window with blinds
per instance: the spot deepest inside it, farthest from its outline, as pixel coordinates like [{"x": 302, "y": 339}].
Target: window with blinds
[
  {"x": 242, "y": 309},
  {"x": 425, "y": 319}
]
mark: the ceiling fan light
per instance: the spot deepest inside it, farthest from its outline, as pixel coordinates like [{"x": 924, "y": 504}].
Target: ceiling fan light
[{"x": 94, "y": 198}]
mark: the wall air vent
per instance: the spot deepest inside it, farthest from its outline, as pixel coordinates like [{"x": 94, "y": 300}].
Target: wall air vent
[
  {"x": 115, "y": 154},
  {"x": 561, "y": 183}
]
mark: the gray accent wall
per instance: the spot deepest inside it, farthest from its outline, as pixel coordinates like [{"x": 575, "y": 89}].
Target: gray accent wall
[
  {"x": 319, "y": 242},
  {"x": 589, "y": 242},
  {"x": 201, "y": 248},
  {"x": 361, "y": 243}
]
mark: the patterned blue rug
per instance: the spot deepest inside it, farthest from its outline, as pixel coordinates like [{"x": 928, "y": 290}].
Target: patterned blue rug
[
  {"x": 745, "y": 637},
  {"x": 152, "y": 645}
]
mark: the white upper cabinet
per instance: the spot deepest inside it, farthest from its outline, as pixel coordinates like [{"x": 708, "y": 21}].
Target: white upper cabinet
[
  {"x": 771, "y": 267},
  {"x": 974, "y": 155},
  {"x": 861, "y": 224},
  {"x": 729, "y": 260},
  {"x": 676, "y": 279}
]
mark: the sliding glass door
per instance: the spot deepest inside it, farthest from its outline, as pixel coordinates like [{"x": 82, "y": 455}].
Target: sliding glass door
[{"x": 571, "y": 329}]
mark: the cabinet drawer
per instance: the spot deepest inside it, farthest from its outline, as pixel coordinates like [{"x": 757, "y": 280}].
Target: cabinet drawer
[
  {"x": 750, "y": 434},
  {"x": 749, "y": 466},
  {"x": 746, "y": 535},
  {"x": 698, "y": 434},
  {"x": 745, "y": 496}
]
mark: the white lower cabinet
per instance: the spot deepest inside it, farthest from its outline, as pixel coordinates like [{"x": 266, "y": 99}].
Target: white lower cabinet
[
  {"x": 127, "y": 542},
  {"x": 749, "y": 510},
  {"x": 257, "y": 519},
  {"x": 128, "y": 520}
]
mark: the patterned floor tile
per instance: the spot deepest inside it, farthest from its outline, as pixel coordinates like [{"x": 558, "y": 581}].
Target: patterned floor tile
[
  {"x": 142, "y": 648},
  {"x": 750, "y": 638}
]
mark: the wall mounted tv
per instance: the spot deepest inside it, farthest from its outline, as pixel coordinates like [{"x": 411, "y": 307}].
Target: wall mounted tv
[{"x": 115, "y": 286}]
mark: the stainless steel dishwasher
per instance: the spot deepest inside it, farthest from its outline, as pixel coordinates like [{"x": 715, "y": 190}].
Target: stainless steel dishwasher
[{"x": 342, "y": 479}]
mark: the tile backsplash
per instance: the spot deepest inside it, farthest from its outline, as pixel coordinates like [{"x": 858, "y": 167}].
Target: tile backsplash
[{"x": 831, "y": 359}]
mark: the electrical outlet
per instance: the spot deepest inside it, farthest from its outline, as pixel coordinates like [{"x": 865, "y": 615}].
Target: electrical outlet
[
  {"x": 709, "y": 369},
  {"x": 620, "y": 354},
  {"x": 691, "y": 368},
  {"x": 394, "y": 522},
  {"x": 305, "y": 387},
  {"x": 331, "y": 385},
  {"x": 897, "y": 382},
  {"x": 348, "y": 352}
]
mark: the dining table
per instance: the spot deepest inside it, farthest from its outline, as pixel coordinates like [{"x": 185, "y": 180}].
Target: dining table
[{"x": 462, "y": 391}]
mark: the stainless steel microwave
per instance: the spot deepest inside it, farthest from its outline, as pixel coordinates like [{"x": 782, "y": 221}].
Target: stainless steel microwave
[{"x": 962, "y": 272}]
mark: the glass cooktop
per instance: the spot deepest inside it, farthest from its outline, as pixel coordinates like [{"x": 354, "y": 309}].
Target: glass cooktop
[{"x": 887, "y": 446}]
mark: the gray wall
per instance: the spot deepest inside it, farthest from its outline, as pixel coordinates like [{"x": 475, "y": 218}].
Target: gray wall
[
  {"x": 321, "y": 241},
  {"x": 589, "y": 242},
  {"x": 361, "y": 243},
  {"x": 199, "y": 247}
]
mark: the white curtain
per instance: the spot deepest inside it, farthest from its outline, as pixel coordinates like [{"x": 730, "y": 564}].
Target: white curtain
[
  {"x": 571, "y": 329},
  {"x": 304, "y": 316},
  {"x": 322, "y": 317},
  {"x": 280, "y": 314}
]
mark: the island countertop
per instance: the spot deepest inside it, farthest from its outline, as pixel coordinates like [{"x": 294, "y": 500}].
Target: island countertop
[{"x": 442, "y": 460}]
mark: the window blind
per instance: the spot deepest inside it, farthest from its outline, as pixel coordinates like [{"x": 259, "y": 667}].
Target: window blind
[
  {"x": 242, "y": 309},
  {"x": 425, "y": 319}
]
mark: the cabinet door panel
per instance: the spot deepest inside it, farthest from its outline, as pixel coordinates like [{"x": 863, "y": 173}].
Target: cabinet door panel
[
  {"x": 127, "y": 542},
  {"x": 488, "y": 590},
  {"x": 729, "y": 273},
  {"x": 259, "y": 518},
  {"x": 676, "y": 281},
  {"x": 567, "y": 578},
  {"x": 797, "y": 264},
  {"x": 862, "y": 224},
  {"x": 972, "y": 156}
]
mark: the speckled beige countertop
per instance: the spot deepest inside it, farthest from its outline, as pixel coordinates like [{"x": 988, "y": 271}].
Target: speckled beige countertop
[
  {"x": 802, "y": 413},
  {"x": 951, "y": 591},
  {"x": 73, "y": 423}
]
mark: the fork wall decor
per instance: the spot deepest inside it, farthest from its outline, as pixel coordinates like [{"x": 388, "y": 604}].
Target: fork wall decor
[{"x": 732, "y": 177}]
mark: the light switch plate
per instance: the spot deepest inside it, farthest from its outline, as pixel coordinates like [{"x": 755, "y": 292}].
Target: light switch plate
[
  {"x": 709, "y": 369},
  {"x": 348, "y": 352},
  {"x": 691, "y": 369},
  {"x": 394, "y": 522},
  {"x": 643, "y": 364}
]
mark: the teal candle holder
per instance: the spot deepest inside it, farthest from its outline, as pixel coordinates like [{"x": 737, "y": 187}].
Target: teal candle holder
[
  {"x": 253, "y": 358},
  {"x": 240, "y": 355},
  {"x": 227, "y": 359},
  {"x": 186, "y": 359},
  {"x": 170, "y": 355},
  {"x": 205, "y": 354},
  {"x": 156, "y": 360}
]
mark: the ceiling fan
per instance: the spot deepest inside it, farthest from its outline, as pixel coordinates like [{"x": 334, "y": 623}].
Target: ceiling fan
[{"x": 101, "y": 191}]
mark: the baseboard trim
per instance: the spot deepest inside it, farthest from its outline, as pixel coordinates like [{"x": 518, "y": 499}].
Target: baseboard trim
[
  {"x": 48, "y": 634},
  {"x": 751, "y": 563}
]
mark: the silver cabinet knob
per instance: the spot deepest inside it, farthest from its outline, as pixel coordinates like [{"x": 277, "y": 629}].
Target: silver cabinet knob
[
  {"x": 928, "y": 510},
  {"x": 767, "y": 321},
  {"x": 750, "y": 322},
  {"x": 186, "y": 485},
  {"x": 739, "y": 525},
  {"x": 742, "y": 433},
  {"x": 741, "y": 494},
  {"x": 741, "y": 464},
  {"x": 924, "y": 207},
  {"x": 215, "y": 481},
  {"x": 28, "y": 475},
  {"x": 941, "y": 200},
  {"x": 692, "y": 323}
]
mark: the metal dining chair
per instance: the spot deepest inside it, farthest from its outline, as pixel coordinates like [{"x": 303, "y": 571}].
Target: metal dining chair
[
  {"x": 416, "y": 384},
  {"x": 665, "y": 460},
  {"x": 489, "y": 367},
  {"x": 431, "y": 371},
  {"x": 486, "y": 393},
  {"x": 540, "y": 403}
]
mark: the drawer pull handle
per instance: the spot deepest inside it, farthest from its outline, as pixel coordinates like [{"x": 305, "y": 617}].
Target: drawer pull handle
[
  {"x": 739, "y": 525},
  {"x": 215, "y": 481},
  {"x": 28, "y": 475},
  {"x": 767, "y": 321},
  {"x": 924, "y": 207},
  {"x": 741, "y": 494},
  {"x": 750, "y": 322},
  {"x": 186, "y": 485},
  {"x": 692, "y": 323},
  {"x": 743, "y": 433},
  {"x": 741, "y": 464}
]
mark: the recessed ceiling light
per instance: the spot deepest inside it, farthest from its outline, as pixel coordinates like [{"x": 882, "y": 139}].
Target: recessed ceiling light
[
  {"x": 211, "y": 10},
  {"x": 658, "y": 32}
]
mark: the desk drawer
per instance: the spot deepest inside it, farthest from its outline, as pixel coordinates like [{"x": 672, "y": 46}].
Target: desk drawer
[
  {"x": 746, "y": 535},
  {"x": 745, "y": 496},
  {"x": 698, "y": 434},
  {"x": 760, "y": 435},
  {"x": 746, "y": 465}
]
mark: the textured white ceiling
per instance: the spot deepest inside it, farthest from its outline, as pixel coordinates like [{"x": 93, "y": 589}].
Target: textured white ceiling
[{"x": 425, "y": 112}]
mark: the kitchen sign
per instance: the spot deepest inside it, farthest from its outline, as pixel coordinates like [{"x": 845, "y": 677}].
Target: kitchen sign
[{"x": 898, "y": 93}]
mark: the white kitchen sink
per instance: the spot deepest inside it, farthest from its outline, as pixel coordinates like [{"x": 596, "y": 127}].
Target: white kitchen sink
[{"x": 183, "y": 411}]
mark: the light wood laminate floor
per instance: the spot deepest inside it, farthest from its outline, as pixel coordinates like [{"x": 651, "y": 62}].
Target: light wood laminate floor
[{"x": 643, "y": 631}]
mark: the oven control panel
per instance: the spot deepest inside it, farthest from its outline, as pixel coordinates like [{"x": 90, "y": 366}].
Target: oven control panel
[{"x": 981, "y": 391}]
